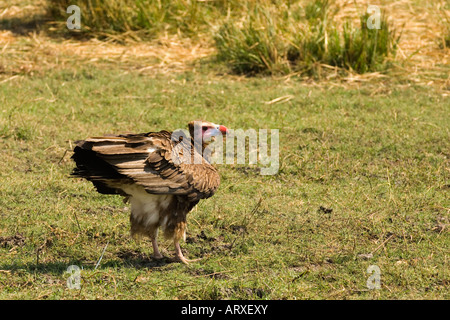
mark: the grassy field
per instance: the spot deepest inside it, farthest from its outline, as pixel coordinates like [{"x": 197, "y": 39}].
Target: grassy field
[{"x": 363, "y": 180}]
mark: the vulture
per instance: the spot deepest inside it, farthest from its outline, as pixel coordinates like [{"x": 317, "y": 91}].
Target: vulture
[{"x": 162, "y": 174}]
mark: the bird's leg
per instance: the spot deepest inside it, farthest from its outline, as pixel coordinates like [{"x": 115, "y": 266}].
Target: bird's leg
[
  {"x": 156, "y": 253},
  {"x": 179, "y": 254}
]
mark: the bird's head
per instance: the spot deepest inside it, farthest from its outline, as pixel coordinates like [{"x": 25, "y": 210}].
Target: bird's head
[{"x": 208, "y": 130}]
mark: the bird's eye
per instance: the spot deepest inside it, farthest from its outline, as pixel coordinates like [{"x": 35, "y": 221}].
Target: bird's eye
[{"x": 204, "y": 128}]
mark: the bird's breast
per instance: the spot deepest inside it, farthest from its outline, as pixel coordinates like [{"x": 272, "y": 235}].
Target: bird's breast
[{"x": 147, "y": 209}]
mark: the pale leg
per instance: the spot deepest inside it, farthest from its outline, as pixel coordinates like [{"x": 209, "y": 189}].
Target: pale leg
[
  {"x": 156, "y": 253},
  {"x": 179, "y": 255}
]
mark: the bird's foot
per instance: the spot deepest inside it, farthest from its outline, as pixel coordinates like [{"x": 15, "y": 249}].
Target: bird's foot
[
  {"x": 179, "y": 257},
  {"x": 157, "y": 256},
  {"x": 182, "y": 259}
]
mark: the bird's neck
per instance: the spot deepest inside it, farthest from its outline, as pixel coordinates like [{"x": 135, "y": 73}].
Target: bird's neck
[{"x": 199, "y": 146}]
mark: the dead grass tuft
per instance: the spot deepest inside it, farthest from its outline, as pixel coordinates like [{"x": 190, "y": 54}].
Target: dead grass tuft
[
  {"x": 420, "y": 59},
  {"x": 37, "y": 53}
]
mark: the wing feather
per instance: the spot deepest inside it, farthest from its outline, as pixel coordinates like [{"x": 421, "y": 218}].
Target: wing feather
[{"x": 149, "y": 160}]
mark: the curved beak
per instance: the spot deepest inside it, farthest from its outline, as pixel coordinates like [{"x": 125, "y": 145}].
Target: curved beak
[
  {"x": 217, "y": 130},
  {"x": 222, "y": 129}
]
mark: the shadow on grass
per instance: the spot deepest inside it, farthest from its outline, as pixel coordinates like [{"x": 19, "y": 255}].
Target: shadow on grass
[
  {"x": 23, "y": 26},
  {"x": 59, "y": 268},
  {"x": 40, "y": 22},
  {"x": 54, "y": 268}
]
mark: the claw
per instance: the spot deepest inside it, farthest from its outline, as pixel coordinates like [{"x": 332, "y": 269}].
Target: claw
[
  {"x": 179, "y": 257},
  {"x": 182, "y": 259}
]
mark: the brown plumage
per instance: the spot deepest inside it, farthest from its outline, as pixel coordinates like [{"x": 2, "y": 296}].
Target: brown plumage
[{"x": 162, "y": 175}]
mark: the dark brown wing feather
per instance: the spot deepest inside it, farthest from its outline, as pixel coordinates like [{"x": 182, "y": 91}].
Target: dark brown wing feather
[{"x": 151, "y": 160}]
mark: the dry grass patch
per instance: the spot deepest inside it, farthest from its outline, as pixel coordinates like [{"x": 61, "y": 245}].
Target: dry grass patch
[{"x": 37, "y": 47}]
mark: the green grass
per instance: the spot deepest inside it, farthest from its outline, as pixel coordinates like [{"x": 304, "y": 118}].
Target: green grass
[
  {"x": 363, "y": 181},
  {"x": 251, "y": 37},
  {"x": 143, "y": 18},
  {"x": 257, "y": 44},
  {"x": 281, "y": 38}
]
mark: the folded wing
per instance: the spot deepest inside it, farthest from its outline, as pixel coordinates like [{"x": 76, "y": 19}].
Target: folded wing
[{"x": 151, "y": 160}]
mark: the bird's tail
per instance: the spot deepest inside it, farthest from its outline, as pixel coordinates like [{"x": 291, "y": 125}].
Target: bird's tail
[{"x": 91, "y": 167}]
